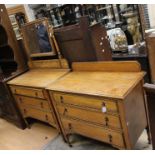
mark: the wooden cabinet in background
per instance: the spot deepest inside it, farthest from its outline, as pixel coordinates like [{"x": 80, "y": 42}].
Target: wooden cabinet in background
[
  {"x": 79, "y": 42},
  {"x": 103, "y": 101},
  {"x": 12, "y": 64},
  {"x": 18, "y": 17}
]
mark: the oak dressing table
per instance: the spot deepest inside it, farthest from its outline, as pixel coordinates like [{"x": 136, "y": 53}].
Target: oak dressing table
[{"x": 28, "y": 89}]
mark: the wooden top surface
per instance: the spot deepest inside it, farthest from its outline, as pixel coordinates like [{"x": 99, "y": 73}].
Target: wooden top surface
[
  {"x": 105, "y": 84},
  {"x": 113, "y": 79},
  {"x": 38, "y": 77}
]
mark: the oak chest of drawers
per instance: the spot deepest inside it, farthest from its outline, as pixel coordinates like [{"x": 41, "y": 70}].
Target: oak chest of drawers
[
  {"x": 30, "y": 94},
  {"x": 103, "y": 101}
]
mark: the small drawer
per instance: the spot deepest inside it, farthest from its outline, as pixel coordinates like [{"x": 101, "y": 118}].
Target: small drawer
[
  {"x": 32, "y": 102},
  {"x": 103, "y": 105},
  {"x": 90, "y": 116},
  {"x": 26, "y": 91},
  {"x": 37, "y": 114},
  {"x": 92, "y": 131}
]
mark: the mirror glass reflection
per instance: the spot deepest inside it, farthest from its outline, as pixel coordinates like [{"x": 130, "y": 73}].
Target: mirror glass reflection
[{"x": 38, "y": 38}]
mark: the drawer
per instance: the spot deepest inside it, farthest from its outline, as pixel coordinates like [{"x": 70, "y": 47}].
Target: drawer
[
  {"x": 37, "y": 114},
  {"x": 89, "y": 102},
  {"x": 90, "y": 116},
  {"x": 26, "y": 91},
  {"x": 32, "y": 102},
  {"x": 92, "y": 131}
]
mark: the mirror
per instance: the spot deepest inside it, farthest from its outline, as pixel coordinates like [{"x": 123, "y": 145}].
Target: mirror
[{"x": 37, "y": 39}]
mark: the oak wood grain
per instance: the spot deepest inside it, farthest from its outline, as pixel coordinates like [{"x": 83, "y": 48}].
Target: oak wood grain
[
  {"x": 38, "y": 114},
  {"x": 26, "y": 91},
  {"x": 86, "y": 102},
  {"x": 107, "y": 66},
  {"x": 79, "y": 97},
  {"x": 95, "y": 117},
  {"x": 96, "y": 132},
  {"x": 36, "y": 103},
  {"x": 105, "y": 84},
  {"x": 39, "y": 78}
]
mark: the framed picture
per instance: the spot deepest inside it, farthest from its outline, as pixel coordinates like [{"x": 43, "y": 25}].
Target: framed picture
[{"x": 13, "y": 20}]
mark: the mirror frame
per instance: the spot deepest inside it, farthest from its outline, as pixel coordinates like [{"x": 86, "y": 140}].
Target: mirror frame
[{"x": 26, "y": 38}]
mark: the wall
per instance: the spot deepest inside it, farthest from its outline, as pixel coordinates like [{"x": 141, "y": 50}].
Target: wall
[
  {"x": 151, "y": 8},
  {"x": 28, "y": 10}
]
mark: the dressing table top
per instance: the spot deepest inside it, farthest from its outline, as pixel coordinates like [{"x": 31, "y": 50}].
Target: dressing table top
[{"x": 39, "y": 77}]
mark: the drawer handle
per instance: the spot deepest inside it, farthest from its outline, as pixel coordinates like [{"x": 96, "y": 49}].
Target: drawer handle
[
  {"x": 36, "y": 94},
  {"x": 61, "y": 99},
  {"x": 69, "y": 126},
  {"x": 110, "y": 138},
  {"x": 104, "y": 109},
  {"x": 106, "y": 121},
  {"x": 20, "y": 100},
  {"x": 46, "y": 116},
  {"x": 25, "y": 111},
  {"x": 41, "y": 103},
  {"x": 15, "y": 90},
  {"x": 65, "y": 110}
]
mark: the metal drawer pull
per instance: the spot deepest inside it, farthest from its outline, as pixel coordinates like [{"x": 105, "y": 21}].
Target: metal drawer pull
[
  {"x": 41, "y": 103},
  {"x": 20, "y": 99},
  {"x": 106, "y": 121},
  {"x": 110, "y": 138},
  {"x": 65, "y": 110},
  {"x": 25, "y": 111},
  {"x": 104, "y": 109},
  {"x": 15, "y": 90},
  {"x": 46, "y": 116},
  {"x": 36, "y": 94},
  {"x": 69, "y": 126},
  {"x": 61, "y": 99}
]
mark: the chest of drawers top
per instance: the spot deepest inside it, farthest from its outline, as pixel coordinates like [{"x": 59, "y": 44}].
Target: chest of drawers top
[
  {"x": 39, "y": 78},
  {"x": 105, "y": 79}
]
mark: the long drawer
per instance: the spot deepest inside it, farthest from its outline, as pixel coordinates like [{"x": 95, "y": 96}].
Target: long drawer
[
  {"x": 25, "y": 101},
  {"x": 89, "y": 102},
  {"x": 26, "y": 91},
  {"x": 92, "y": 131},
  {"x": 37, "y": 114},
  {"x": 90, "y": 116}
]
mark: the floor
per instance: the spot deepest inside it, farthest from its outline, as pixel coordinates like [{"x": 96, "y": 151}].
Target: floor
[
  {"x": 13, "y": 138},
  {"x": 83, "y": 143}
]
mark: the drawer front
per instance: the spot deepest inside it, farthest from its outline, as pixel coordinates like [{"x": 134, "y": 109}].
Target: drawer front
[
  {"x": 90, "y": 116},
  {"x": 24, "y": 101},
  {"x": 92, "y": 131},
  {"x": 37, "y": 114},
  {"x": 32, "y": 92},
  {"x": 90, "y": 102}
]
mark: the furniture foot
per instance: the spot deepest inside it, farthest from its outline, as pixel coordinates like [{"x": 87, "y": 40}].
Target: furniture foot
[
  {"x": 68, "y": 140},
  {"x": 27, "y": 124},
  {"x": 70, "y": 145},
  {"x": 148, "y": 134}
]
